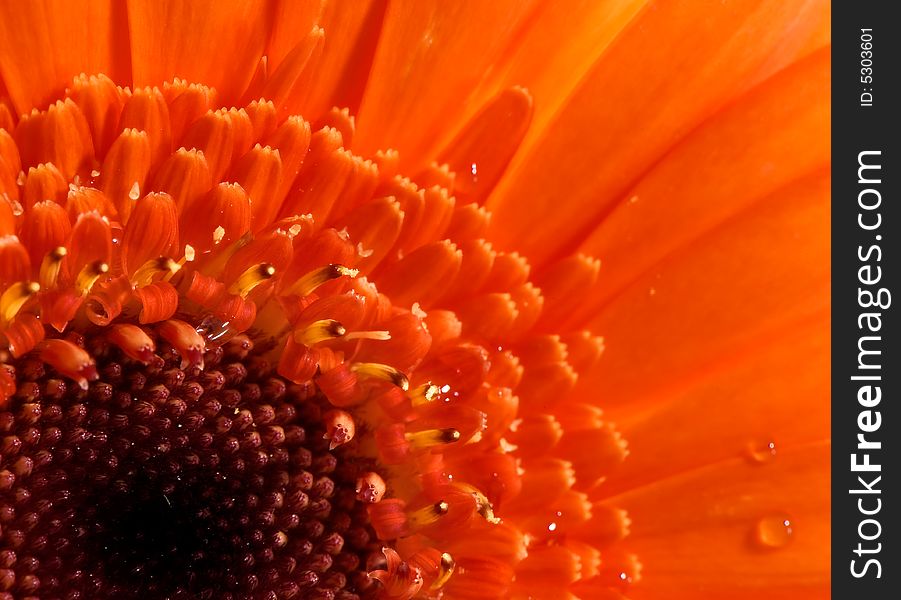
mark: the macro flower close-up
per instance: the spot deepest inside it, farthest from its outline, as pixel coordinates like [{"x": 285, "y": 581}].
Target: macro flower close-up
[{"x": 336, "y": 300}]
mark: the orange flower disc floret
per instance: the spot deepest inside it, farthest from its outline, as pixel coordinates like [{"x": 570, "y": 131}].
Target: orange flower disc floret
[{"x": 241, "y": 360}]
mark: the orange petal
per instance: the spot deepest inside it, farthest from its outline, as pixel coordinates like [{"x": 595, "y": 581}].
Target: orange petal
[
  {"x": 124, "y": 170},
  {"x": 15, "y": 265},
  {"x": 375, "y": 226},
  {"x": 59, "y": 135},
  {"x": 754, "y": 403},
  {"x": 185, "y": 176},
  {"x": 189, "y": 344},
  {"x": 263, "y": 119},
  {"x": 422, "y": 275},
  {"x": 48, "y": 43},
  {"x": 186, "y": 39},
  {"x": 430, "y": 57},
  {"x": 340, "y": 74},
  {"x": 285, "y": 77},
  {"x": 151, "y": 232},
  {"x": 683, "y": 315},
  {"x": 321, "y": 178},
  {"x": 226, "y": 206},
  {"x": 481, "y": 151},
  {"x": 146, "y": 110},
  {"x": 752, "y": 531},
  {"x": 69, "y": 360},
  {"x": 101, "y": 102},
  {"x": 23, "y": 334},
  {"x": 133, "y": 341},
  {"x": 641, "y": 112},
  {"x": 772, "y": 136},
  {"x": 82, "y": 200},
  {"x": 291, "y": 139},
  {"x": 44, "y": 182},
  {"x": 187, "y": 103},
  {"x": 214, "y": 135},
  {"x": 159, "y": 300},
  {"x": 45, "y": 227},
  {"x": 259, "y": 172}
]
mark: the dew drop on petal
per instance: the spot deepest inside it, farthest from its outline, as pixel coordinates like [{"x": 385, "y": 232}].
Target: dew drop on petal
[
  {"x": 773, "y": 531},
  {"x": 761, "y": 452},
  {"x": 135, "y": 192}
]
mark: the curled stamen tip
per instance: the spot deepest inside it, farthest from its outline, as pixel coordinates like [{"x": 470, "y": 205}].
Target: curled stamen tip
[
  {"x": 89, "y": 274},
  {"x": 251, "y": 278},
  {"x": 319, "y": 331},
  {"x": 15, "y": 297},
  {"x": 433, "y": 437},
  {"x": 133, "y": 341},
  {"x": 339, "y": 428},
  {"x": 70, "y": 360},
  {"x": 161, "y": 265},
  {"x": 446, "y": 568},
  {"x": 50, "y": 266},
  {"x": 383, "y": 372},
  {"x": 186, "y": 340},
  {"x": 370, "y": 488},
  {"x": 307, "y": 284}
]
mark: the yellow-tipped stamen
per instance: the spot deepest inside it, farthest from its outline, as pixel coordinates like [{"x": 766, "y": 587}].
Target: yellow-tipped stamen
[
  {"x": 312, "y": 280},
  {"x": 89, "y": 275},
  {"x": 155, "y": 266},
  {"x": 217, "y": 261},
  {"x": 50, "y": 267},
  {"x": 319, "y": 331},
  {"x": 445, "y": 570},
  {"x": 423, "y": 394},
  {"x": 383, "y": 372},
  {"x": 381, "y": 336},
  {"x": 432, "y": 437},
  {"x": 427, "y": 514},
  {"x": 15, "y": 297},
  {"x": 251, "y": 278}
]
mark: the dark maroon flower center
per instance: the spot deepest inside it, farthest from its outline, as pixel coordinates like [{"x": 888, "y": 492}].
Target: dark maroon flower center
[{"x": 163, "y": 482}]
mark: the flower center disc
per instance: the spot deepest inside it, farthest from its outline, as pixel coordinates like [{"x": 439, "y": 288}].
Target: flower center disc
[{"x": 167, "y": 480}]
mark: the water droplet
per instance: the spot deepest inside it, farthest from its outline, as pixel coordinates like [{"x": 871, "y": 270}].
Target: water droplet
[
  {"x": 135, "y": 192},
  {"x": 212, "y": 329},
  {"x": 552, "y": 527},
  {"x": 773, "y": 531},
  {"x": 761, "y": 452}
]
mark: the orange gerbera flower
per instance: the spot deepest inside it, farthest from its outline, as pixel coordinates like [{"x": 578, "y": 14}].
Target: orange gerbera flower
[{"x": 296, "y": 299}]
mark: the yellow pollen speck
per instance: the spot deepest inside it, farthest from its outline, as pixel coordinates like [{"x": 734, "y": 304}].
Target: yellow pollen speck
[
  {"x": 218, "y": 234},
  {"x": 417, "y": 310}
]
